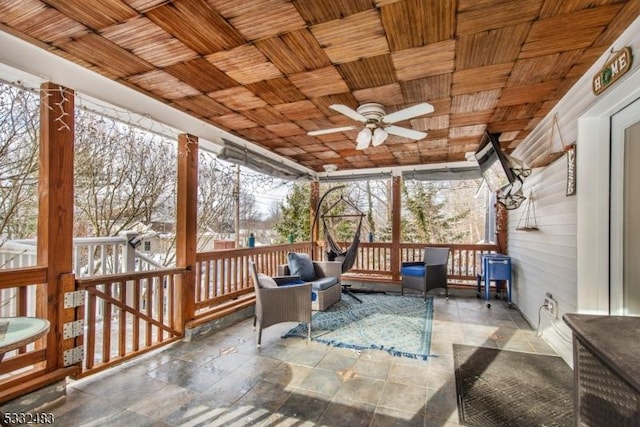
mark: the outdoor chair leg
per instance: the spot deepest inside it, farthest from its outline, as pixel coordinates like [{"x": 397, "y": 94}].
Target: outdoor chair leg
[{"x": 346, "y": 290}]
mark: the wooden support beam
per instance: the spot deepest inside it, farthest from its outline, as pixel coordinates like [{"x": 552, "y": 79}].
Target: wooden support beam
[
  {"x": 186, "y": 229},
  {"x": 502, "y": 228},
  {"x": 315, "y": 227},
  {"x": 396, "y": 208},
  {"x": 55, "y": 209}
]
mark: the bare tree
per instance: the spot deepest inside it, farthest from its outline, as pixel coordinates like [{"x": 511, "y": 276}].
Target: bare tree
[
  {"x": 122, "y": 175},
  {"x": 19, "y": 122},
  {"x": 371, "y": 197},
  {"x": 215, "y": 199}
]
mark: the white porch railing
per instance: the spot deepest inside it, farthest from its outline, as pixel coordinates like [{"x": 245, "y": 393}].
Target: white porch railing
[{"x": 92, "y": 256}]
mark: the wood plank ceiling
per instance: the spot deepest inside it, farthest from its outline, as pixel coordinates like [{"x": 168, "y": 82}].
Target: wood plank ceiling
[{"x": 267, "y": 70}]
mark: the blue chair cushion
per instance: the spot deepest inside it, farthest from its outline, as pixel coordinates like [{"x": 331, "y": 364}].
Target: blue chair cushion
[
  {"x": 323, "y": 283},
  {"x": 301, "y": 265},
  {"x": 292, "y": 282},
  {"x": 414, "y": 270}
]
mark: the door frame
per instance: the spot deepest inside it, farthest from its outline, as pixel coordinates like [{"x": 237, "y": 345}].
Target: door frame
[
  {"x": 620, "y": 122},
  {"x": 593, "y": 202}
]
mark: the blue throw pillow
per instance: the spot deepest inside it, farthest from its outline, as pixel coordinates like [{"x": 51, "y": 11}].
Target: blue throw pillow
[{"x": 301, "y": 265}]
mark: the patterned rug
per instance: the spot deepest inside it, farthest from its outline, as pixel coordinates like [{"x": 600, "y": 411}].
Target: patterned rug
[
  {"x": 399, "y": 325},
  {"x": 512, "y": 388}
]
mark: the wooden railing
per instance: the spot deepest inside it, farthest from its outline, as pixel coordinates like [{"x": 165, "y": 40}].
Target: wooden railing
[
  {"x": 222, "y": 277},
  {"x": 374, "y": 260},
  {"x": 223, "y": 285},
  {"x": 464, "y": 259},
  {"x": 92, "y": 256},
  {"x": 17, "y": 288},
  {"x": 127, "y": 314}
]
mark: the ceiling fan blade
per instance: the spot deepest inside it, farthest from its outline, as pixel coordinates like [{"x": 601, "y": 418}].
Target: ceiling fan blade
[
  {"x": 409, "y": 113},
  {"x": 406, "y": 133},
  {"x": 349, "y": 112},
  {"x": 332, "y": 130}
]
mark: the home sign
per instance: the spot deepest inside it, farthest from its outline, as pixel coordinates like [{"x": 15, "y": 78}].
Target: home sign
[{"x": 615, "y": 68}]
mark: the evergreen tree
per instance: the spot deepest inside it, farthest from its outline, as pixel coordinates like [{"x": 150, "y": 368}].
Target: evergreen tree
[
  {"x": 428, "y": 221},
  {"x": 295, "y": 214}
]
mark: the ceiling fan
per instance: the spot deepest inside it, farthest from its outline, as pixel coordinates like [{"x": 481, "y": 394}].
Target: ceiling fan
[{"x": 377, "y": 123}]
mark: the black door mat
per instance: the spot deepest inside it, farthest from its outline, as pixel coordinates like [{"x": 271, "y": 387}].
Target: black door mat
[{"x": 509, "y": 388}]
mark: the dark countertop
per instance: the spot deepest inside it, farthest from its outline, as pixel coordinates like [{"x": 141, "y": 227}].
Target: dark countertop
[{"x": 614, "y": 339}]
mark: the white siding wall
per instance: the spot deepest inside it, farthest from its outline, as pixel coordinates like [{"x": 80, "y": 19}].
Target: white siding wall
[
  {"x": 545, "y": 260},
  {"x": 568, "y": 256}
]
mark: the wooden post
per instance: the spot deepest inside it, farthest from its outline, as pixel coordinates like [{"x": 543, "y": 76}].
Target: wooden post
[
  {"x": 502, "y": 228},
  {"x": 186, "y": 228},
  {"x": 396, "y": 208},
  {"x": 313, "y": 206},
  {"x": 55, "y": 209}
]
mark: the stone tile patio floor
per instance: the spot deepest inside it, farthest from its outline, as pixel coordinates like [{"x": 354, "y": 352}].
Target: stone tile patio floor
[{"x": 224, "y": 379}]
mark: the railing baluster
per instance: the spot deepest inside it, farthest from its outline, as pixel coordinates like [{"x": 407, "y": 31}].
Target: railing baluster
[
  {"x": 76, "y": 260},
  {"x": 137, "y": 297},
  {"x": 161, "y": 304},
  {"x": 207, "y": 279},
  {"x": 122, "y": 321},
  {"x": 90, "y": 261},
  {"x": 103, "y": 259},
  {"x": 149, "y": 311},
  {"x": 91, "y": 329},
  {"x": 227, "y": 275},
  {"x": 116, "y": 249},
  {"x": 106, "y": 326},
  {"x": 170, "y": 291}
]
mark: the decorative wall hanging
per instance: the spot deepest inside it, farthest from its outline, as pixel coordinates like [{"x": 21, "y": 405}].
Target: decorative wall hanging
[
  {"x": 554, "y": 153},
  {"x": 571, "y": 169},
  {"x": 528, "y": 220},
  {"x": 617, "y": 65}
]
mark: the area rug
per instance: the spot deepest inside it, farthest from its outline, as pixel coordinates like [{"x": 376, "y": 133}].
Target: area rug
[
  {"x": 399, "y": 325},
  {"x": 510, "y": 388}
]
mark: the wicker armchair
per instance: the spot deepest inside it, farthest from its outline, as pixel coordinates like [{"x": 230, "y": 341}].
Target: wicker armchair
[
  {"x": 428, "y": 274},
  {"x": 274, "y": 304}
]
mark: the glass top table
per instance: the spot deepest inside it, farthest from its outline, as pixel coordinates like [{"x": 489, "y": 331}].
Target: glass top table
[{"x": 16, "y": 332}]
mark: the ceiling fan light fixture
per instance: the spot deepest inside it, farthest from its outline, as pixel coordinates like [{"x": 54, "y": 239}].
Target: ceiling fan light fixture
[
  {"x": 377, "y": 124},
  {"x": 379, "y": 136},
  {"x": 363, "y": 139}
]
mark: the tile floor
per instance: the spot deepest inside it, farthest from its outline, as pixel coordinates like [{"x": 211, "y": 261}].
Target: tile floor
[{"x": 223, "y": 379}]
